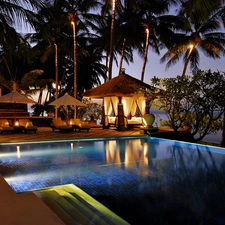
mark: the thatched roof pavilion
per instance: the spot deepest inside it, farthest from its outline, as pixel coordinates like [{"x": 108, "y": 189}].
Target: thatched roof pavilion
[
  {"x": 122, "y": 85},
  {"x": 120, "y": 97}
]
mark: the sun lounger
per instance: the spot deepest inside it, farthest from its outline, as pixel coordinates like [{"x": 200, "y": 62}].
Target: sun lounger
[
  {"x": 27, "y": 126},
  {"x": 4, "y": 127},
  {"x": 80, "y": 125},
  {"x": 58, "y": 124}
]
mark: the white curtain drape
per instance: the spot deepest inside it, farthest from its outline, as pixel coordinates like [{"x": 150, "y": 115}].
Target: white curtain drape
[
  {"x": 130, "y": 105},
  {"x": 133, "y": 107},
  {"x": 127, "y": 104},
  {"x": 115, "y": 101},
  {"x": 108, "y": 109},
  {"x": 141, "y": 105}
]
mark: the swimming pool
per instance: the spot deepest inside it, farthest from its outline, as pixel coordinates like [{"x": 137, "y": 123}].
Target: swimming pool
[{"x": 154, "y": 176}]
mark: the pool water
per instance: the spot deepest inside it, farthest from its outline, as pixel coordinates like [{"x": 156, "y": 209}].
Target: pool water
[{"x": 144, "y": 180}]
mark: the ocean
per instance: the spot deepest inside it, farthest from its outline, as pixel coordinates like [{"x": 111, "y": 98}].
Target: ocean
[{"x": 214, "y": 138}]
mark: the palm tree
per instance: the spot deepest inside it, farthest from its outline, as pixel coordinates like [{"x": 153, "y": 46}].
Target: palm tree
[
  {"x": 117, "y": 7},
  {"x": 49, "y": 42},
  {"x": 111, "y": 39},
  {"x": 79, "y": 13},
  {"x": 101, "y": 39},
  {"x": 55, "y": 29},
  {"x": 149, "y": 22},
  {"x": 14, "y": 58},
  {"x": 199, "y": 29},
  {"x": 17, "y": 14}
]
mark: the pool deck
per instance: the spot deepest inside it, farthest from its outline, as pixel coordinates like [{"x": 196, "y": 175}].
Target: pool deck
[
  {"x": 46, "y": 134},
  {"x": 58, "y": 213}
]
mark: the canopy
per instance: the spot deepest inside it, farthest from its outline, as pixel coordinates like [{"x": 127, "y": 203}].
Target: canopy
[
  {"x": 15, "y": 97},
  {"x": 122, "y": 88},
  {"x": 67, "y": 100},
  {"x": 122, "y": 85}
]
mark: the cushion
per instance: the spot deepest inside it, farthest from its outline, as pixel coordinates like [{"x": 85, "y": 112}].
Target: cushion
[
  {"x": 29, "y": 124},
  {"x": 57, "y": 122},
  {"x": 64, "y": 123},
  {"x": 112, "y": 119},
  {"x": 76, "y": 122},
  {"x": 5, "y": 124},
  {"x": 23, "y": 122},
  {"x": 84, "y": 123}
]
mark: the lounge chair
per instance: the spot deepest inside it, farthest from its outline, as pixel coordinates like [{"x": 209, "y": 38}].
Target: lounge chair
[
  {"x": 27, "y": 126},
  {"x": 58, "y": 124},
  {"x": 80, "y": 125},
  {"x": 4, "y": 127}
]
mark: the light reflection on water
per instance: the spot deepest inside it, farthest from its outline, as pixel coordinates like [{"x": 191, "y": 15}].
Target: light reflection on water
[
  {"x": 142, "y": 157},
  {"x": 124, "y": 168}
]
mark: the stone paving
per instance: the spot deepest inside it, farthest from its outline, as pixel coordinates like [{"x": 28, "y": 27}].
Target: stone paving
[{"x": 46, "y": 134}]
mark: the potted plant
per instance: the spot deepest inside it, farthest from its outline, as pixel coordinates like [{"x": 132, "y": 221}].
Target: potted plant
[{"x": 149, "y": 96}]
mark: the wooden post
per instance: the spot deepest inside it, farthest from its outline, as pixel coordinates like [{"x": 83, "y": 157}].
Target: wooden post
[{"x": 121, "y": 125}]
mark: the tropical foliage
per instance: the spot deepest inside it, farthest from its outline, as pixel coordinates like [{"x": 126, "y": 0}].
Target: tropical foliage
[
  {"x": 171, "y": 24},
  {"x": 196, "y": 100},
  {"x": 80, "y": 57},
  {"x": 198, "y": 28}
]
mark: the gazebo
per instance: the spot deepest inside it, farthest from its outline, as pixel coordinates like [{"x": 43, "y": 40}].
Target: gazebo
[{"x": 120, "y": 95}]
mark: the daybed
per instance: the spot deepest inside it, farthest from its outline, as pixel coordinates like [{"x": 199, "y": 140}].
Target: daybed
[
  {"x": 27, "y": 126},
  {"x": 80, "y": 125},
  {"x": 135, "y": 121},
  {"x": 59, "y": 124},
  {"x": 4, "y": 126},
  {"x": 112, "y": 120}
]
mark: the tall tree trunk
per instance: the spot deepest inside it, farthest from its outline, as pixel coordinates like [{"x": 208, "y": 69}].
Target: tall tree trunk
[
  {"x": 72, "y": 16},
  {"x": 187, "y": 60},
  {"x": 107, "y": 66},
  {"x": 111, "y": 39},
  {"x": 56, "y": 78},
  {"x": 122, "y": 55},
  {"x": 145, "y": 55}
]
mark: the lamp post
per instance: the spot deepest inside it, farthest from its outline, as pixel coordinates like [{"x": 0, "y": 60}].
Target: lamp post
[
  {"x": 111, "y": 39},
  {"x": 72, "y": 17}
]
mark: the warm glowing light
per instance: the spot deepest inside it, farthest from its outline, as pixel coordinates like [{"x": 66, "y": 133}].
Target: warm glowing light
[
  {"x": 113, "y": 4},
  {"x": 144, "y": 121},
  {"x": 18, "y": 151},
  {"x": 71, "y": 146},
  {"x": 113, "y": 153},
  {"x": 16, "y": 123}
]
